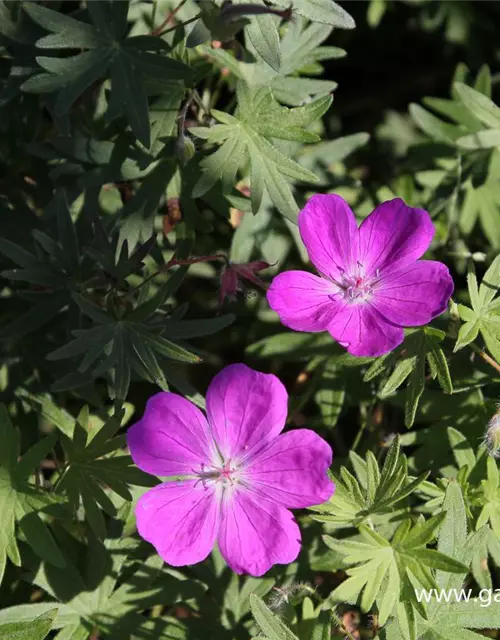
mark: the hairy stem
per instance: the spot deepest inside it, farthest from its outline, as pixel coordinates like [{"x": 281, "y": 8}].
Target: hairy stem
[{"x": 493, "y": 363}]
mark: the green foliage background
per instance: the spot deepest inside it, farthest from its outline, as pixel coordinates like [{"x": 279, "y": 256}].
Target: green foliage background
[{"x": 142, "y": 145}]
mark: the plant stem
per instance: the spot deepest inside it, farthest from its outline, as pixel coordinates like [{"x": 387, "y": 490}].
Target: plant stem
[
  {"x": 174, "y": 262},
  {"x": 364, "y": 424},
  {"x": 158, "y": 30},
  {"x": 359, "y": 435},
  {"x": 493, "y": 363},
  {"x": 181, "y": 24},
  {"x": 153, "y": 13}
]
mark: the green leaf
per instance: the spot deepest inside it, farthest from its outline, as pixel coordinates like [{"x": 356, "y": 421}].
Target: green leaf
[
  {"x": 68, "y": 32},
  {"x": 38, "y": 316},
  {"x": 322, "y": 627},
  {"x": 433, "y": 126},
  {"x": 324, "y": 11},
  {"x": 37, "y": 629},
  {"x": 128, "y": 61},
  {"x": 91, "y": 66},
  {"x": 373, "y": 493},
  {"x": 54, "y": 415},
  {"x": 462, "y": 451},
  {"x": 17, "y": 254},
  {"x": 245, "y": 139},
  {"x": 479, "y": 105},
  {"x": 20, "y": 501},
  {"x": 129, "y": 91},
  {"x": 171, "y": 350},
  {"x": 330, "y": 397},
  {"x": 467, "y": 333},
  {"x": 263, "y": 34},
  {"x": 269, "y": 622},
  {"x": 420, "y": 345},
  {"x": 439, "y": 368},
  {"x": 424, "y": 533},
  {"x": 416, "y": 384},
  {"x": 437, "y": 560},
  {"x": 453, "y": 534},
  {"x": 183, "y": 329},
  {"x": 94, "y": 463},
  {"x": 487, "y": 139},
  {"x": 41, "y": 540},
  {"x": 401, "y": 372},
  {"x": 490, "y": 284}
]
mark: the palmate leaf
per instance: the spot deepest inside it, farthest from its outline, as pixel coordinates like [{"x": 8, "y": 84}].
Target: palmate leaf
[
  {"x": 20, "y": 501},
  {"x": 468, "y": 110},
  {"x": 98, "y": 597},
  {"x": 473, "y": 175},
  {"x": 95, "y": 460},
  {"x": 484, "y": 317},
  {"x": 245, "y": 138},
  {"x": 386, "y": 572},
  {"x": 262, "y": 33},
  {"x": 128, "y": 334},
  {"x": 408, "y": 362},
  {"x": 118, "y": 346},
  {"x": 451, "y": 620},
  {"x": 55, "y": 263},
  {"x": 301, "y": 56},
  {"x": 128, "y": 62},
  {"x": 373, "y": 493}
]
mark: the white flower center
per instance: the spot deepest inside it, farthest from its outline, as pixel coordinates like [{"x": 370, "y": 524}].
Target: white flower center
[
  {"x": 224, "y": 475},
  {"x": 356, "y": 287}
]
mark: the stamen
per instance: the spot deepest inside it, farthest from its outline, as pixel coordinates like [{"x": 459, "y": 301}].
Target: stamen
[
  {"x": 213, "y": 474},
  {"x": 355, "y": 287}
]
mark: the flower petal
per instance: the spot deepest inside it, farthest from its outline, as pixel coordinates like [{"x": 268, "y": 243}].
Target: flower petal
[
  {"x": 416, "y": 295},
  {"x": 245, "y": 408},
  {"x": 180, "y": 519},
  {"x": 292, "y": 470},
  {"x": 364, "y": 331},
  {"x": 329, "y": 231},
  {"x": 393, "y": 236},
  {"x": 256, "y": 533},
  {"x": 302, "y": 300},
  {"x": 171, "y": 438}
]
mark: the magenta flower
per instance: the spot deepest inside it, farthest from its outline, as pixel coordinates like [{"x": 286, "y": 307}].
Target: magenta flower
[
  {"x": 240, "y": 475},
  {"x": 371, "y": 285}
]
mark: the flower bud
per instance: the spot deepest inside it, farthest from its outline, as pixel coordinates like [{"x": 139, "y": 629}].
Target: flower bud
[
  {"x": 185, "y": 149},
  {"x": 233, "y": 274},
  {"x": 492, "y": 436},
  {"x": 172, "y": 216}
]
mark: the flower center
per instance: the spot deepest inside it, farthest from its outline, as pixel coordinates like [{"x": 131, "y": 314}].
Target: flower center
[
  {"x": 356, "y": 287},
  {"x": 225, "y": 475}
]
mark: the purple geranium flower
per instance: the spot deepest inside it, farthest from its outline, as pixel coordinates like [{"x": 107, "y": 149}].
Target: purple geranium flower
[
  {"x": 241, "y": 475},
  {"x": 371, "y": 285}
]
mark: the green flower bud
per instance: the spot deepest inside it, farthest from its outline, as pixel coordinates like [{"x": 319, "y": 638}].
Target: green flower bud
[{"x": 185, "y": 149}]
